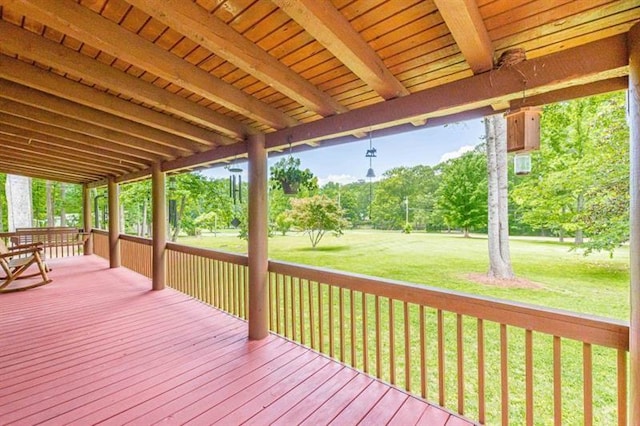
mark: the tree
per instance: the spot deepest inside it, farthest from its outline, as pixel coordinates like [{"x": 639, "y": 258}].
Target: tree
[
  {"x": 316, "y": 216},
  {"x": 498, "y": 219},
  {"x": 580, "y": 177},
  {"x": 19, "y": 205},
  {"x": 462, "y": 194}
]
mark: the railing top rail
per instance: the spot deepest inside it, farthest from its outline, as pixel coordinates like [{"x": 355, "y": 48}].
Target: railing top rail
[
  {"x": 99, "y": 231},
  {"x": 239, "y": 259},
  {"x": 588, "y": 328},
  {"x": 136, "y": 239}
]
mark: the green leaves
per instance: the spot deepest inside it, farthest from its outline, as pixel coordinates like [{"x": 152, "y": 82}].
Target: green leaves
[{"x": 317, "y": 215}]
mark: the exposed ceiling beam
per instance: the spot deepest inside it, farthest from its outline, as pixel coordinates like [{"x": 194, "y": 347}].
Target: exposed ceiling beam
[
  {"x": 331, "y": 29},
  {"x": 27, "y": 158},
  {"x": 53, "y": 104},
  {"x": 79, "y": 22},
  {"x": 210, "y": 32},
  {"x": 39, "y": 171},
  {"x": 124, "y": 161},
  {"x": 29, "y": 45},
  {"x": 76, "y": 157},
  {"x": 91, "y": 130},
  {"x": 132, "y": 154},
  {"x": 581, "y": 65},
  {"x": 28, "y": 75},
  {"x": 468, "y": 30}
]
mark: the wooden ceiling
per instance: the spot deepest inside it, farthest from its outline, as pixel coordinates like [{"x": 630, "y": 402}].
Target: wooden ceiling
[{"x": 93, "y": 89}]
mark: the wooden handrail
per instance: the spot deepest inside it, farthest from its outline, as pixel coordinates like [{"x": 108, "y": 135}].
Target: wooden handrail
[
  {"x": 587, "y": 328},
  {"x": 238, "y": 259},
  {"x": 135, "y": 239},
  {"x": 100, "y": 232}
]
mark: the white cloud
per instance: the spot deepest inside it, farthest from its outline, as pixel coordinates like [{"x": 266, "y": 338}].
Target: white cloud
[
  {"x": 455, "y": 154},
  {"x": 341, "y": 179}
]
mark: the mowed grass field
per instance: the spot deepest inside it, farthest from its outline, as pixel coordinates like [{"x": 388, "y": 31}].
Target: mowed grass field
[{"x": 596, "y": 284}]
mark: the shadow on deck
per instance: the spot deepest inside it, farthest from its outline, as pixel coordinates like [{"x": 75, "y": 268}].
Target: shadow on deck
[{"x": 96, "y": 346}]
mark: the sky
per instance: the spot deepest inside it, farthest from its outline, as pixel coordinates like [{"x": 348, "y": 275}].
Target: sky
[{"x": 347, "y": 162}]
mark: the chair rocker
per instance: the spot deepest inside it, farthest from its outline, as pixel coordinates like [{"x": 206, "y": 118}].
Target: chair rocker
[{"x": 15, "y": 261}]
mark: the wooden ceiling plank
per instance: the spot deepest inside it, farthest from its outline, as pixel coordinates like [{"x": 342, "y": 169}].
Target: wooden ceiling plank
[
  {"x": 194, "y": 22},
  {"x": 57, "y": 145},
  {"x": 142, "y": 157},
  {"x": 116, "y": 137},
  {"x": 41, "y": 149},
  {"x": 35, "y": 98},
  {"x": 468, "y": 30},
  {"x": 327, "y": 25},
  {"x": 592, "y": 62},
  {"x": 30, "y": 45},
  {"x": 81, "y": 23}
]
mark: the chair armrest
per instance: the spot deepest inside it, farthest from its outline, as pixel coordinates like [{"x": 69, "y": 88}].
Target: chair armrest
[
  {"x": 38, "y": 244},
  {"x": 19, "y": 252}
]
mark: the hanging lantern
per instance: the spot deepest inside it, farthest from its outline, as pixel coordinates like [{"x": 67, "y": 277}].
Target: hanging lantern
[
  {"x": 523, "y": 130},
  {"x": 522, "y": 164}
]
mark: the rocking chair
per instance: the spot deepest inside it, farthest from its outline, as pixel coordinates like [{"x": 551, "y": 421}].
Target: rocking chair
[{"x": 15, "y": 261}]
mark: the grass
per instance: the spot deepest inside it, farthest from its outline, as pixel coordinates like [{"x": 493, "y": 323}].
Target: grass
[{"x": 596, "y": 284}]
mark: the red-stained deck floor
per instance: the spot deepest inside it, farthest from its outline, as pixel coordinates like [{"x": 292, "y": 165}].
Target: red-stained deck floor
[{"x": 95, "y": 346}]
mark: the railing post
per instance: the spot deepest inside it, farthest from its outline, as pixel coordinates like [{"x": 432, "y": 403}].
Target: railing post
[
  {"x": 86, "y": 214},
  {"x": 258, "y": 237},
  {"x": 114, "y": 224},
  {"x": 159, "y": 208},
  {"x": 633, "y": 40}
]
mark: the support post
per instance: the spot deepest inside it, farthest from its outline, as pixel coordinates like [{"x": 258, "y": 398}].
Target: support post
[
  {"x": 86, "y": 214},
  {"x": 159, "y": 211},
  {"x": 258, "y": 239},
  {"x": 633, "y": 40},
  {"x": 114, "y": 224}
]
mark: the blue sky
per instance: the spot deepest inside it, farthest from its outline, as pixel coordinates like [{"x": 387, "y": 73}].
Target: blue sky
[{"x": 347, "y": 163}]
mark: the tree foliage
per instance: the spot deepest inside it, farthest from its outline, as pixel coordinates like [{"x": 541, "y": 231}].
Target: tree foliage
[
  {"x": 581, "y": 173},
  {"x": 462, "y": 194},
  {"x": 316, "y": 216}
]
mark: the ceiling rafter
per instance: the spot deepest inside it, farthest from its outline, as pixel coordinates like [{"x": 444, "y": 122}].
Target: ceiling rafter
[
  {"x": 47, "y": 52},
  {"x": 331, "y": 29},
  {"x": 80, "y": 127},
  {"x": 36, "y": 139},
  {"x": 83, "y": 24},
  {"x": 195, "y": 23},
  {"x": 53, "y": 104},
  {"x": 39, "y": 170},
  {"x": 468, "y": 30},
  {"x": 28, "y": 75},
  {"x": 134, "y": 154},
  {"x": 25, "y": 157},
  {"x": 47, "y": 150}
]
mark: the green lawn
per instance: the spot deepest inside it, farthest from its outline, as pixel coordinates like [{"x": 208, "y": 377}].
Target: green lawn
[{"x": 595, "y": 284}]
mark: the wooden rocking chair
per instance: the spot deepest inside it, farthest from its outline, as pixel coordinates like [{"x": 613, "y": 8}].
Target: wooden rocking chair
[{"x": 15, "y": 261}]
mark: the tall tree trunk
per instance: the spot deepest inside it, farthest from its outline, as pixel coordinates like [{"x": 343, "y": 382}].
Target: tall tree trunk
[
  {"x": 19, "y": 206},
  {"x": 579, "y": 238},
  {"x": 50, "y": 213},
  {"x": 176, "y": 230},
  {"x": 144, "y": 218},
  {"x": 63, "y": 214},
  {"x": 498, "y": 230}
]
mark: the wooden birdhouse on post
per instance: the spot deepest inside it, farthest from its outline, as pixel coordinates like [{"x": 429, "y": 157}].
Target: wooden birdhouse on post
[{"x": 523, "y": 136}]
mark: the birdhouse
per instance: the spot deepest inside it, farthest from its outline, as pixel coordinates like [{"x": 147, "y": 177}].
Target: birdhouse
[{"x": 523, "y": 130}]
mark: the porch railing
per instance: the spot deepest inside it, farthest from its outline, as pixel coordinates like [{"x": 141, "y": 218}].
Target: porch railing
[
  {"x": 491, "y": 360},
  {"x": 100, "y": 243}
]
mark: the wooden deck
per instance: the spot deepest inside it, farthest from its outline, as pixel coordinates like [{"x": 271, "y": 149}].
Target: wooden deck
[{"x": 96, "y": 346}]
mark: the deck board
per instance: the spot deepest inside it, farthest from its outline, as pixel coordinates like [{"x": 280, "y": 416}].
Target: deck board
[{"x": 96, "y": 346}]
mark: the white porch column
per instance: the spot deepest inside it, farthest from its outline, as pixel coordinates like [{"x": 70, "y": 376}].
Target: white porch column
[
  {"x": 159, "y": 211},
  {"x": 114, "y": 224},
  {"x": 634, "y": 124},
  {"x": 258, "y": 239}
]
